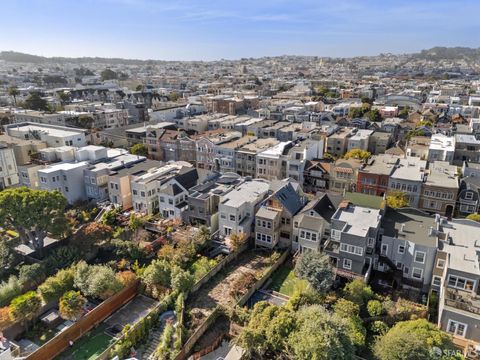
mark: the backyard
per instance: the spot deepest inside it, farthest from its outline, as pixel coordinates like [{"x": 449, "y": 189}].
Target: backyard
[
  {"x": 89, "y": 346},
  {"x": 284, "y": 281}
]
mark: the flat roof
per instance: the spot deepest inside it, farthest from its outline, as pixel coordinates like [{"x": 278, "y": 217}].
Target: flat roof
[
  {"x": 415, "y": 224},
  {"x": 359, "y": 219},
  {"x": 58, "y": 132},
  {"x": 248, "y": 191}
]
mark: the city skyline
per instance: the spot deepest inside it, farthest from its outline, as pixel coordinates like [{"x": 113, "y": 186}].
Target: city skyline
[{"x": 188, "y": 30}]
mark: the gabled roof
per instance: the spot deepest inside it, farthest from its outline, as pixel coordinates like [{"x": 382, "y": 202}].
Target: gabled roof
[
  {"x": 286, "y": 193},
  {"x": 323, "y": 206},
  {"x": 187, "y": 177}
]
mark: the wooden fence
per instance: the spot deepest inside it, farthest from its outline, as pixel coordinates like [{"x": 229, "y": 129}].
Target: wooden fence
[{"x": 60, "y": 342}]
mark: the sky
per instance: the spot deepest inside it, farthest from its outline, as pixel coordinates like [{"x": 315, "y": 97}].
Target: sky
[{"x": 216, "y": 29}]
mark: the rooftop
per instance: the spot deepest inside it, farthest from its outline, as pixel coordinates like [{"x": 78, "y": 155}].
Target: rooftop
[
  {"x": 358, "y": 219},
  {"x": 249, "y": 191}
]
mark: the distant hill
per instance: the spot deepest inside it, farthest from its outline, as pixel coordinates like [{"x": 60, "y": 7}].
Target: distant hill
[
  {"x": 434, "y": 54},
  {"x": 13, "y": 56},
  {"x": 449, "y": 53}
]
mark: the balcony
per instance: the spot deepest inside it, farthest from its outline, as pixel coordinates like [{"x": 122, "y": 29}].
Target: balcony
[{"x": 462, "y": 300}]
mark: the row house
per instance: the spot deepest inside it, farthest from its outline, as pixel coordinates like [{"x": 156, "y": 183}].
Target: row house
[
  {"x": 225, "y": 153},
  {"x": 408, "y": 177},
  {"x": 408, "y": 247},
  {"x": 205, "y": 148},
  {"x": 467, "y": 148},
  {"x": 272, "y": 130},
  {"x": 468, "y": 200},
  {"x": 316, "y": 176},
  {"x": 146, "y": 187},
  {"x": 343, "y": 175},
  {"x": 379, "y": 142},
  {"x": 119, "y": 182},
  {"x": 373, "y": 176},
  {"x": 337, "y": 142},
  {"x": 354, "y": 234},
  {"x": 442, "y": 148},
  {"x": 238, "y": 207},
  {"x": 359, "y": 140},
  {"x": 246, "y": 156},
  {"x": 440, "y": 189},
  {"x": 271, "y": 164},
  {"x": 170, "y": 145},
  {"x": 418, "y": 146},
  {"x": 8, "y": 167},
  {"x": 298, "y": 155},
  {"x": 204, "y": 198},
  {"x": 311, "y": 225},
  {"x": 274, "y": 218}
]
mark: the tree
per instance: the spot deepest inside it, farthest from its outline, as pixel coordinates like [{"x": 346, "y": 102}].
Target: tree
[
  {"x": 202, "y": 238},
  {"x": 350, "y": 311},
  {"x": 139, "y": 149},
  {"x": 13, "y": 92},
  {"x": 31, "y": 275},
  {"x": 397, "y": 199},
  {"x": 8, "y": 256},
  {"x": 374, "y": 115},
  {"x": 403, "y": 113},
  {"x": 71, "y": 305},
  {"x": 25, "y": 307},
  {"x": 320, "y": 335},
  {"x": 35, "y": 102},
  {"x": 158, "y": 273},
  {"x": 96, "y": 280},
  {"x": 316, "y": 269},
  {"x": 375, "y": 308},
  {"x": 108, "y": 74},
  {"x": 64, "y": 97},
  {"x": 357, "y": 154},
  {"x": 91, "y": 235},
  {"x": 57, "y": 285},
  {"x": 182, "y": 281},
  {"x": 413, "y": 340},
  {"x": 358, "y": 292},
  {"x": 174, "y": 96},
  {"x": 33, "y": 214},
  {"x": 474, "y": 217},
  {"x": 85, "y": 121}
]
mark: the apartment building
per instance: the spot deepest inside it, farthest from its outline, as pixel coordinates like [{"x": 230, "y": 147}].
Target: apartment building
[
  {"x": 22, "y": 149},
  {"x": 119, "y": 182},
  {"x": 467, "y": 148},
  {"x": 311, "y": 225},
  {"x": 145, "y": 197},
  {"x": 237, "y": 208},
  {"x": 374, "y": 174},
  {"x": 457, "y": 278},
  {"x": 271, "y": 163},
  {"x": 442, "y": 148},
  {"x": 316, "y": 176},
  {"x": 203, "y": 199},
  {"x": 418, "y": 146},
  {"x": 408, "y": 177},
  {"x": 28, "y": 175},
  {"x": 299, "y": 154},
  {"x": 359, "y": 140},
  {"x": 173, "y": 194},
  {"x": 66, "y": 178},
  {"x": 52, "y": 135},
  {"x": 379, "y": 142},
  {"x": 337, "y": 142},
  {"x": 440, "y": 189},
  {"x": 8, "y": 167},
  {"x": 353, "y": 237},
  {"x": 274, "y": 218},
  {"x": 408, "y": 247},
  {"x": 246, "y": 156},
  {"x": 205, "y": 148}
]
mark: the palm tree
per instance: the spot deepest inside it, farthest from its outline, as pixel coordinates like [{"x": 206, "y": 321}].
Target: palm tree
[{"x": 13, "y": 92}]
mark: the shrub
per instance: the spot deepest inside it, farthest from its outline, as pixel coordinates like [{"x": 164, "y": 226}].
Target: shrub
[
  {"x": 25, "y": 307},
  {"x": 71, "y": 305},
  {"x": 202, "y": 266},
  {"x": 378, "y": 327},
  {"x": 98, "y": 281},
  {"x": 182, "y": 280},
  {"x": 9, "y": 290},
  {"x": 126, "y": 277},
  {"x": 375, "y": 308},
  {"x": 5, "y": 319},
  {"x": 55, "y": 286},
  {"x": 60, "y": 258},
  {"x": 358, "y": 292}
]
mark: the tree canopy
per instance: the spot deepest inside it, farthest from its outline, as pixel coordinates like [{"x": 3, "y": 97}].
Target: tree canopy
[
  {"x": 108, "y": 74},
  {"x": 36, "y": 102},
  {"x": 139, "y": 149},
  {"x": 397, "y": 199},
  {"x": 25, "y": 307},
  {"x": 33, "y": 214},
  {"x": 316, "y": 268},
  {"x": 71, "y": 305},
  {"x": 413, "y": 340},
  {"x": 474, "y": 217},
  {"x": 357, "y": 154}
]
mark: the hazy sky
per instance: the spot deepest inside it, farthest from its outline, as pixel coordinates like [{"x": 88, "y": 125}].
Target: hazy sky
[{"x": 214, "y": 29}]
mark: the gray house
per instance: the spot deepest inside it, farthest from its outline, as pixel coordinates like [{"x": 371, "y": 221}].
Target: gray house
[
  {"x": 354, "y": 234},
  {"x": 408, "y": 247}
]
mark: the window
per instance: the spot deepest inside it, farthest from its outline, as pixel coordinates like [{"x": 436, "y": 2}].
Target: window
[
  {"x": 468, "y": 195},
  {"x": 370, "y": 241},
  {"x": 457, "y": 328},
  {"x": 264, "y": 238},
  {"x": 347, "y": 264},
  {"x": 227, "y": 230},
  {"x": 170, "y": 201},
  {"x": 259, "y": 222},
  {"x": 66, "y": 188},
  {"x": 440, "y": 263},
  {"x": 460, "y": 283},
  {"x": 405, "y": 270},
  {"x": 335, "y": 234},
  {"x": 420, "y": 257},
  {"x": 417, "y": 273},
  {"x": 135, "y": 192},
  {"x": 399, "y": 265},
  {"x": 142, "y": 193},
  {"x": 437, "y": 281},
  {"x": 351, "y": 249},
  {"x": 384, "y": 249},
  {"x": 401, "y": 249}
]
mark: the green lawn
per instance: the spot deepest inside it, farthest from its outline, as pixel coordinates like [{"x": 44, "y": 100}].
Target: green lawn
[
  {"x": 89, "y": 346},
  {"x": 285, "y": 282}
]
